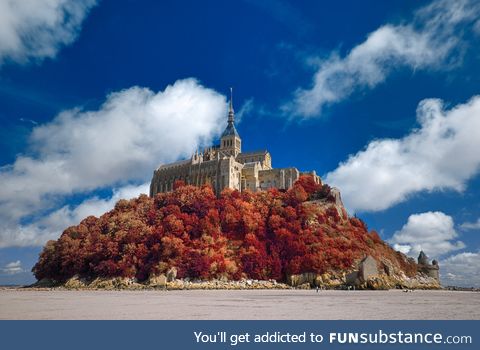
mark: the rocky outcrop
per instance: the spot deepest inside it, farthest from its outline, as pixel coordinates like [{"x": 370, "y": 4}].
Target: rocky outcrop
[
  {"x": 45, "y": 283},
  {"x": 300, "y": 279},
  {"x": 157, "y": 281},
  {"x": 368, "y": 276},
  {"x": 309, "y": 219},
  {"x": 220, "y": 284}
]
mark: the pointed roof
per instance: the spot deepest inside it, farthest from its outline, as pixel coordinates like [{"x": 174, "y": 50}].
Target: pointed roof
[
  {"x": 230, "y": 129},
  {"x": 422, "y": 258}
]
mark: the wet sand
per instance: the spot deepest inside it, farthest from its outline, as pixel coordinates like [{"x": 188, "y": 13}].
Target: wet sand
[{"x": 238, "y": 304}]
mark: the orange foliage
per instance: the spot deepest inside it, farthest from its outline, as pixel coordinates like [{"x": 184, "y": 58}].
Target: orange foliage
[{"x": 263, "y": 235}]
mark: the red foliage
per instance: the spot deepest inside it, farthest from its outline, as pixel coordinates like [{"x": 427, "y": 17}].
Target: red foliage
[
  {"x": 308, "y": 183},
  {"x": 178, "y": 183},
  {"x": 259, "y": 235}
]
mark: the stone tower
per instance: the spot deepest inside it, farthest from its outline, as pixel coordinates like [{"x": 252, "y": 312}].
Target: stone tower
[
  {"x": 230, "y": 142},
  {"x": 431, "y": 270}
]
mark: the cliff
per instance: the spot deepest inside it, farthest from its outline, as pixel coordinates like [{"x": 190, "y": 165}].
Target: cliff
[{"x": 303, "y": 237}]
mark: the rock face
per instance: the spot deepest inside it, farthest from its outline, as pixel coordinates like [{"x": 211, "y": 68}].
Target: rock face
[
  {"x": 368, "y": 276},
  {"x": 159, "y": 282},
  {"x": 335, "y": 192},
  {"x": 300, "y": 279},
  {"x": 325, "y": 280}
]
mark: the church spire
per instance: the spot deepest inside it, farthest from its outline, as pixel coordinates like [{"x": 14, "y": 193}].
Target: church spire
[
  {"x": 230, "y": 142},
  {"x": 231, "y": 114}
]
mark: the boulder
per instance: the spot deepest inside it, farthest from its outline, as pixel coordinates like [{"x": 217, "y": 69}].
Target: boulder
[
  {"x": 172, "y": 274},
  {"x": 377, "y": 283},
  {"x": 304, "y": 286},
  {"x": 74, "y": 283},
  {"x": 297, "y": 280},
  {"x": 158, "y": 281},
  {"x": 102, "y": 283}
]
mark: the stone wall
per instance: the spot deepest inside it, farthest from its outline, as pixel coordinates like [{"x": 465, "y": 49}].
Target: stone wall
[{"x": 279, "y": 178}]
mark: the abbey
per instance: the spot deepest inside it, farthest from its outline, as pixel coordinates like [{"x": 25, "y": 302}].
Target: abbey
[{"x": 225, "y": 166}]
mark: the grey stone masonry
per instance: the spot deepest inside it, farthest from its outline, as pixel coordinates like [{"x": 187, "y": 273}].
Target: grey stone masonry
[{"x": 431, "y": 270}]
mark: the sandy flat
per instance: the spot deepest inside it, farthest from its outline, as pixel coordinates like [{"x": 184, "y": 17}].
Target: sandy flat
[{"x": 238, "y": 304}]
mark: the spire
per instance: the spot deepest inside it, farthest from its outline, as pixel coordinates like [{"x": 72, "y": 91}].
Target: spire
[
  {"x": 230, "y": 129},
  {"x": 231, "y": 115}
]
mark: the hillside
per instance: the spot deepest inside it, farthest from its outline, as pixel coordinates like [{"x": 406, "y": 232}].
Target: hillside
[{"x": 302, "y": 235}]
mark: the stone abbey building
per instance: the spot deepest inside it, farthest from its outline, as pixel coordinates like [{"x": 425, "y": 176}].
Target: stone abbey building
[{"x": 225, "y": 165}]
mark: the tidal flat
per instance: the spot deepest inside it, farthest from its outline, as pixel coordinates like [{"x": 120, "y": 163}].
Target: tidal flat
[{"x": 27, "y": 304}]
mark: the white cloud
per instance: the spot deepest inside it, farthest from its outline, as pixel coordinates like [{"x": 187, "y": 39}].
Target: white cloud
[
  {"x": 441, "y": 154},
  {"x": 246, "y": 108},
  {"x": 37, "y": 29},
  {"x": 471, "y": 225},
  {"x": 432, "y": 232},
  {"x": 13, "y": 268},
  {"x": 81, "y": 151},
  {"x": 461, "y": 270},
  {"x": 432, "y": 40},
  {"x": 50, "y": 226}
]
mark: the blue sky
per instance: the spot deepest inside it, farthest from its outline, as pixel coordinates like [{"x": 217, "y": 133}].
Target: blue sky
[{"x": 380, "y": 98}]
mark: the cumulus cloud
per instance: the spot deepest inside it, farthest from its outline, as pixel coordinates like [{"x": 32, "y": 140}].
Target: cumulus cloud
[
  {"x": 13, "y": 268},
  {"x": 461, "y": 270},
  {"x": 471, "y": 225},
  {"x": 120, "y": 143},
  {"x": 432, "y": 40},
  {"x": 432, "y": 232},
  {"x": 441, "y": 154},
  {"x": 37, "y": 29},
  {"x": 50, "y": 226}
]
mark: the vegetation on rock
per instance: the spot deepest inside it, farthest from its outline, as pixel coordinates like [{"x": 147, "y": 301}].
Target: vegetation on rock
[{"x": 262, "y": 235}]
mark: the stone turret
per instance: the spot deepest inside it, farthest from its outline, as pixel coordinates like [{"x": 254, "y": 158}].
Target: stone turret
[{"x": 431, "y": 270}]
